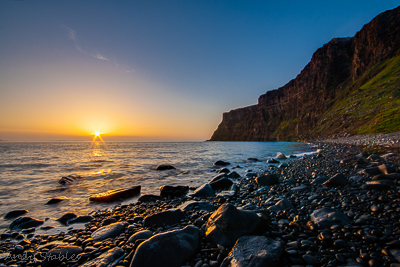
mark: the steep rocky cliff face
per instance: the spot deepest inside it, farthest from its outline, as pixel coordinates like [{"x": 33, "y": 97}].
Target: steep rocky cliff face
[{"x": 305, "y": 107}]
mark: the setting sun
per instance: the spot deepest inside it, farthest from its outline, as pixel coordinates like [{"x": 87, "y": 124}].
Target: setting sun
[{"x": 97, "y": 134}]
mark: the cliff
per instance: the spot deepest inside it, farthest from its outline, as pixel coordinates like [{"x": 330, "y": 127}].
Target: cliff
[{"x": 335, "y": 94}]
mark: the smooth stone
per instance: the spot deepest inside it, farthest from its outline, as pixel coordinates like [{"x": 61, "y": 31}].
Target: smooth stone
[
  {"x": 25, "y": 223},
  {"x": 106, "y": 258},
  {"x": 204, "y": 190},
  {"x": 145, "y": 234},
  {"x": 282, "y": 204},
  {"x": 224, "y": 170},
  {"x": 311, "y": 260},
  {"x": 221, "y": 163},
  {"x": 220, "y": 182},
  {"x": 163, "y": 167},
  {"x": 252, "y": 160},
  {"x": 149, "y": 198},
  {"x": 300, "y": 188},
  {"x": 337, "y": 180},
  {"x": 66, "y": 217},
  {"x": 377, "y": 185},
  {"x": 196, "y": 205},
  {"x": 326, "y": 217},
  {"x": 109, "y": 231},
  {"x": 391, "y": 176},
  {"x": 55, "y": 200},
  {"x": 234, "y": 175},
  {"x": 280, "y": 155},
  {"x": 168, "y": 217},
  {"x": 15, "y": 213},
  {"x": 173, "y": 191},
  {"x": 320, "y": 180},
  {"x": 228, "y": 223},
  {"x": 117, "y": 194},
  {"x": 80, "y": 219},
  {"x": 60, "y": 254},
  {"x": 254, "y": 251},
  {"x": 371, "y": 172},
  {"x": 169, "y": 249},
  {"x": 264, "y": 189},
  {"x": 267, "y": 179},
  {"x": 69, "y": 179},
  {"x": 271, "y": 160}
]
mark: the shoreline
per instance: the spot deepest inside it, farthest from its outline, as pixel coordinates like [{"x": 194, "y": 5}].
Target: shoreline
[{"x": 371, "y": 237}]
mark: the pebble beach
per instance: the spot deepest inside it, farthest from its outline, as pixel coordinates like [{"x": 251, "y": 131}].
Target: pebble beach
[{"x": 337, "y": 207}]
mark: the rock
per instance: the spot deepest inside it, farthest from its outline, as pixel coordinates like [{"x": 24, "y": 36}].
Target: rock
[
  {"x": 14, "y": 214},
  {"x": 204, "y": 190},
  {"x": 25, "y": 223},
  {"x": 80, "y": 219},
  {"x": 168, "y": 217},
  {"x": 255, "y": 251},
  {"x": 386, "y": 169},
  {"x": 232, "y": 192},
  {"x": 262, "y": 190},
  {"x": 234, "y": 175},
  {"x": 61, "y": 254},
  {"x": 220, "y": 182},
  {"x": 109, "y": 231},
  {"x": 337, "y": 180},
  {"x": 69, "y": 179},
  {"x": 271, "y": 160},
  {"x": 282, "y": 204},
  {"x": 320, "y": 180},
  {"x": 145, "y": 234},
  {"x": 149, "y": 198},
  {"x": 221, "y": 163},
  {"x": 106, "y": 258},
  {"x": 280, "y": 156},
  {"x": 173, "y": 191},
  {"x": 224, "y": 170},
  {"x": 311, "y": 260},
  {"x": 377, "y": 185},
  {"x": 300, "y": 188},
  {"x": 117, "y": 194},
  {"x": 326, "y": 217},
  {"x": 371, "y": 172},
  {"x": 228, "y": 223},
  {"x": 169, "y": 249},
  {"x": 66, "y": 217},
  {"x": 391, "y": 176},
  {"x": 55, "y": 200},
  {"x": 267, "y": 179},
  {"x": 165, "y": 167},
  {"x": 252, "y": 160},
  {"x": 196, "y": 205}
]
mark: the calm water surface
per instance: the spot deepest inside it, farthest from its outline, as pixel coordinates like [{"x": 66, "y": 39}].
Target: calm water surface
[{"x": 29, "y": 172}]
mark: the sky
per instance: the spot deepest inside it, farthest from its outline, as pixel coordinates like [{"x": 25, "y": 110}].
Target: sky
[{"x": 154, "y": 70}]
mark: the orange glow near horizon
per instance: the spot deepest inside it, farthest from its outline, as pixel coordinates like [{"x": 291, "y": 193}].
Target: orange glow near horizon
[{"x": 97, "y": 134}]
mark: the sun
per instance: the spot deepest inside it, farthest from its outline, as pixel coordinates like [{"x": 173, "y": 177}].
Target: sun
[{"x": 96, "y": 133}]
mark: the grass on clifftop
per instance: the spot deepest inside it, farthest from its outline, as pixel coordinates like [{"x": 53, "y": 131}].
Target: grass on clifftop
[{"x": 373, "y": 107}]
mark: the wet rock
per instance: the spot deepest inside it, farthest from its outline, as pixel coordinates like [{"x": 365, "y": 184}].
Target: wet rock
[
  {"x": 377, "y": 185},
  {"x": 391, "y": 176},
  {"x": 25, "y": 223},
  {"x": 271, "y": 160},
  {"x": 300, "y": 188},
  {"x": 282, "y": 204},
  {"x": 168, "y": 217},
  {"x": 255, "y": 251},
  {"x": 337, "y": 180},
  {"x": 80, "y": 219},
  {"x": 15, "y": 213},
  {"x": 371, "y": 172},
  {"x": 69, "y": 179},
  {"x": 228, "y": 223},
  {"x": 173, "y": 191},
  {"x": 224, "y": 170},
  {"x": 169, "y": 249},
  {"x": 117, "y": 194},
  {"x": 320, "y": 179},
  {"x": 234, "y": 175},
  {"x": 267, "y": 179},
  {"x": 197, "y": 205},
  {"x": 252, "y": 160},
  {"x": 55, "y": 200},
  {"x": 204, "y": 190},
  {"x": 220, "y": 182},
  {"x": 262, "y": 190},
  {"x": 326, "y": 217},
  {"x": 66, "y": 217},
  {"x": 311, "y": 260},
  {"x": 145, "y": 234},
  {"x": 61, "y": 254},
  {"x": 106, "y": 258},
  {"x": 165, "y": 167},
  {"x": 149, "y": 198},
  {"x": 221, "y": 163},
  {"x": 108, "y": 231},
  {"x": 279, "y": 155}
]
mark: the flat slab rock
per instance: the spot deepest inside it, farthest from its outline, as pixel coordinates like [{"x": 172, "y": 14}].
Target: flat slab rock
[
  {"x": 117, "y": 194},
  {"x": 168, "y": 217},
  {"x": 106, "y": 258},
  {"x": 255, "y": 251},
  {"x": 169, "y": 249},
  {"x": 111, "y": 230},
  {"x": 326, "y": 217},
  {"x": 173, "y": 191}
]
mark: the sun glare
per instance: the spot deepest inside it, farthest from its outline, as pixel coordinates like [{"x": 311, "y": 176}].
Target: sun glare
[{"x": 97, "y": 134}]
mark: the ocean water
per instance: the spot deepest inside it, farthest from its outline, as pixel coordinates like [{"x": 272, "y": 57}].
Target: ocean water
[{"x": 30, "y": 172}]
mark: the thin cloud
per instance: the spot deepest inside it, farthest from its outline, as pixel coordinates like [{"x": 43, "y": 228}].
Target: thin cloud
[
  {"x": 98, "y": 56},
  {"x": 72, "y": 36}
]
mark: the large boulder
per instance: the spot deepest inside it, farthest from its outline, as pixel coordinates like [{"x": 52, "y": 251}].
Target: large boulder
[
  {"x": 144, "y": 234},
  {"x": 25, "y": 223},
  {"x": 60, "y": 254},
  {"x": 228, "y": 223},
  {"x": 173, "y": 191},
  {"x": 111, "y": 230},
  {"x": 106, "y": 258},
  {"x": 149, "y": 198},
  {"x": 204, "y": 190},
  {"x": 15, "y": 213},
  {"x": 336, "y": 180},
  {"x": 221, "y": 163},
  {"x": 169, "y": 249},
  {"x": 255, "y": 251},
  {"x": 326, "y": 217},
  {"x": 117, "y": 194},
  {"x": 220, "y": 182},
  {"x": 267, "y": 179},
  {"x": 168, "y": 217}
]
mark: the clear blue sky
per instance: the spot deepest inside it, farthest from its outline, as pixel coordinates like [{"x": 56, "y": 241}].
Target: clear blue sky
[{"x": 154, "y": 70}]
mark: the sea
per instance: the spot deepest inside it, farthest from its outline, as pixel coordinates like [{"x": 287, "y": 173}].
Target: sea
[{"x": 30, "y": 171}]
